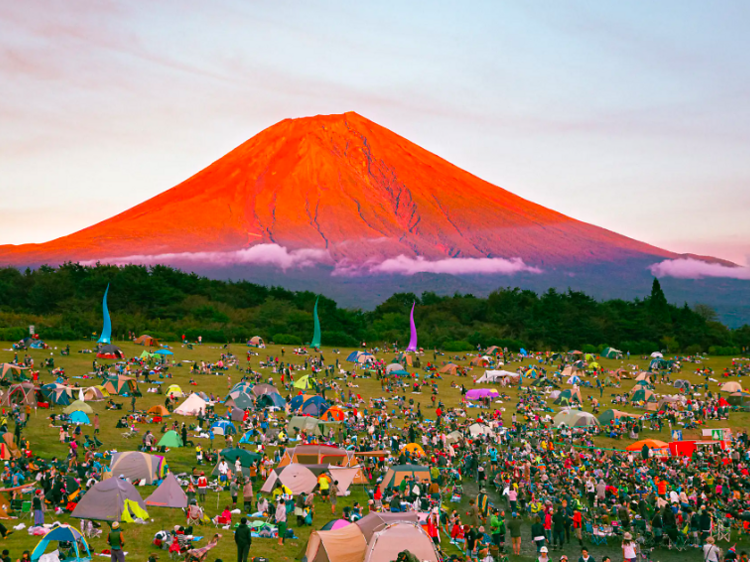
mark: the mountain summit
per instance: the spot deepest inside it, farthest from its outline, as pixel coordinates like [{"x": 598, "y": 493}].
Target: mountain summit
[{"x": 343, "y": 184}]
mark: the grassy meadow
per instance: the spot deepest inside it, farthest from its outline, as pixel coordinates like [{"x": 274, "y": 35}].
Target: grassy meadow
[{"x": 45, "y": 442}]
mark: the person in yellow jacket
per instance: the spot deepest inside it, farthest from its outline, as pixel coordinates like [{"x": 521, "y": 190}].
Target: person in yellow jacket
[{"x": 325, "y": 486}]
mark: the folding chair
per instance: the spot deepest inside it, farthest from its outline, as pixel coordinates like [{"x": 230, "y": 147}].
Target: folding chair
[
  {"x": 26, "y": 510},
  {"x": 723, "y": 531}
]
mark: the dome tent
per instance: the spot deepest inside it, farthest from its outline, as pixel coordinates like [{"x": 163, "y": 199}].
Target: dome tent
[
  {"x": 135, "y": 465},
  {"x": 168, "y": 494},
  {"x": 171, "y": 439},
  {"x": 114, "y": 499}
]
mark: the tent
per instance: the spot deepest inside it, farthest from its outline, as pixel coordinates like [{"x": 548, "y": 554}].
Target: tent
[
  {"x": 499, "y": 375},
  {"x": 243, "y": 386},
  {"x": 270, "y": 401},
  {"x": 334, "y": 413},
  {"x": 109, "y": 351},
  {"x": 260, "y": 389},
  {"x": 345, "y": 544},
  {"x": 346, "y": 476},
  {"x": 480, "y": 361},
  {"x": 10, "y": 368},
  {"x": 315, "y": 406},
  {"x": 308, "y": 424},
  {"x": 223, "y": 427},
  {"x": 642, "y": 395},
  {"x": 334, "y": 524},
  {"x": 79, "y": 417},
  {"x": 480, "y": 429},
  {"x": 480, "y": 393},
  {"x": 449, "y": 369},
  {"x": 146, "y": 355},
  {"x": 239, "y": 399},
  {"x": 314, "y": 454},
  {"x": 297, "y": 401},
  {"x": 158, "y": 410},
  {"x": 163, "y": 351},
  {"x": 57, "y": 394},
  {"x": 609, "y": 415},
  {"x": 611, "y": 353},
  {"x": 394, "y": 367},
  {"x": 304, "y": 383},
  {"x": 682, "y": 384},
  {"x": 386, "y": 544},
  {"x": 145, "y": 339},
  {"x": 256, "y": 341},
  {"x": 174, "y": 390},
  {"x": 135, "y": 465},
  {"x": 657, "y": 355},
  {"x": 414, "y": 449},
  {"x": 79, "y": 406},
  {"x": 573, "y": 379},
  {"x": 375, "y": 521},
  {"x": 21, "y": 393},
  {"x": 570, "y": 395},
  {"x": 63, "y": 533},
  {"x": 168, "y": 494},
  {"x": 114, "y": 499},
  {"x": 732, "y": 386},
  {"x": 360, "y": 357},
  {"x": 122, "y": 385},
  {"x": 8, "y": 448},
  {"x": 644, "y": 376},
  {"x": 739, "y": 400},
  {"x": 192, "y": 406},
  {"x": 397, "y": 473},
  {"x": 650, "y": 443},
  {"x": 247, "y": 458},
  {"x": 576, "y": 418},
  {"x": 298, "y": 478},
  {"x": 236, "y": 415},
  {"x": 94, "y": 394},
  {"x": 171, "y": 439}
]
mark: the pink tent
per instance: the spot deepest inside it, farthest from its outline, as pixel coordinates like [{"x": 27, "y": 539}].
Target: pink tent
[{"x": 479, "y": 393}]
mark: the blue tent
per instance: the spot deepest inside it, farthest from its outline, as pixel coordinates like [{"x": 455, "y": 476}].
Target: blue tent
[
  {"x": 353, "y": 356},
  {"x": 524, "y": 352},
  {"x": 163, "y": 352},
  {"x": 297, "y": 401},
  {"x": 79, "y": 417},
  {"x": 246, "y": 438},
  {"x": 37, "y": 344},
  {"x": 400, "y": 373},
  {"x": 272, "y": 399},
  {"x": 63, "y": 533},
  {"x": 224, "y": 427},
  {"x": 315, "y": 406}
]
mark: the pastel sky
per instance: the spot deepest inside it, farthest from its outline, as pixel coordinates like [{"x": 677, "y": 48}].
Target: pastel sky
[{"x": 634, "y": 116}]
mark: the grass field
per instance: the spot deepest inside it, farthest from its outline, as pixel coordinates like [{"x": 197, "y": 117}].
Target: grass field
[{"x": 45, "y": 443}]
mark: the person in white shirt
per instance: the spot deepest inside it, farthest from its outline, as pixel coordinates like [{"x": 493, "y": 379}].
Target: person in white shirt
[{"x": 628, "y": 548}]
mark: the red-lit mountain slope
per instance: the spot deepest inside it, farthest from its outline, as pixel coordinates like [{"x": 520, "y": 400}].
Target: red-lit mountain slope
[{"x": 346, "y": 184}]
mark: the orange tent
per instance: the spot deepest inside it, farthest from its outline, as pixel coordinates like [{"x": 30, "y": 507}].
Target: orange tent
[
  {"x": 158, "y": 410},
  {"x": 650, "y": 443},
  {"x": 334, "y": 413},
  {"x": 450, "y": 369},
  {"x": 415, "y": 449}
]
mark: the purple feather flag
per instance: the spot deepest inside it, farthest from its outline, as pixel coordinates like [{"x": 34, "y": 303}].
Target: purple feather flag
[{"x": 413, "y": 339}]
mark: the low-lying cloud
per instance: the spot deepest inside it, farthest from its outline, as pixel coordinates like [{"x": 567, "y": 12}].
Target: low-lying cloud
[
  {"x": 403, "y": 265},
  {"x": 688, "y": 268},
  {"x": 261, "y": 254}
]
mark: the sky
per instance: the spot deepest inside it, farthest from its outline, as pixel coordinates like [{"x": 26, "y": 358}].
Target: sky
[{"x": 633, "y": 116}]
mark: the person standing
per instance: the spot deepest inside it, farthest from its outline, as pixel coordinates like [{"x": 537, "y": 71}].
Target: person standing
[
  {"x": 116, "y": 541},
  {"x": 96, "y": 424},
  {"x": 247, "y": 496},
  {"x": 333, "y": 492},
  {"x": 281, "y": 519},
  {"x": 243, "y": 539},
  {"x": 37, "y": 506}
]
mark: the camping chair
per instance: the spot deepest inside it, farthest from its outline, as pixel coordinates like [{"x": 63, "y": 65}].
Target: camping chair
[
  {"x": 131, "y": 432},
  {"x": 220, "y": 521},
  {"x": 194, "y": 517},
  {"x": 199, "y": 554},
  {"x": 26, "y": 510},
  {"x": 723, "y": 530}
]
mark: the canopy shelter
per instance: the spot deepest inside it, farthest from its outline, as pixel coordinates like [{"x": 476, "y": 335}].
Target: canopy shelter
[
  {"x": 576, "y": 418},
  {"x": 113, "y": 499},
  {"x": 261, "y": 389},
  {"x": 163, "y": 351},
  {"x": 171, "y": 439},
  {"x": 168, "y": 494},
  {"x": 612, "y": 353},
  {"x": 271, "y": 400},
  {"x": 135, "y": 465},
  {"x": 192, "y": 406},
  {"x": 314, "y": 454},
  {"x": 615, "y": 415},
  {"x": 122, "y": 385},
  {"x": 650, "y": 443},
  {"x": 386, "y": 544},
  {"x": 64, "y": 534},
  {"x": 499, "y": 376},
  {"x": 481, "y": 393},
  {"x": 345, "y": 544},
  {"x": 146, "y": 340},
  {"x": 296, "y": 477},
  {"x": 397, "y": 473},
  {"x": 256, "y": 341},
  {"x": 109, "y": 351}
]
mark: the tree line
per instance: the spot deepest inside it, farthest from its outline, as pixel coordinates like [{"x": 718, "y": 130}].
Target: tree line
[{"x": 64, "y": 303}]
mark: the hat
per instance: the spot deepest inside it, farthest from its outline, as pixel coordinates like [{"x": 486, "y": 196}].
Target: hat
[
  {"x": 115, "y": 525},
  {"x": 710, "y": 540},
  {"x": 543, "y": 549},
  {"x": 627, "y": 537}
]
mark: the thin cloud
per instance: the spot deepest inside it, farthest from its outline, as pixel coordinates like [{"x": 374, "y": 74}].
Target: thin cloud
[
  {"x": 403, "y": 265},
  {"x": 262, "y": 254},
  {"x": 688, "y": 268}
]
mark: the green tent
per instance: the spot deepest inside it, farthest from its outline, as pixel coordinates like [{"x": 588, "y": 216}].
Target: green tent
[
  {"x": 146, "y": 355},
  {"x": 612, "y": 353},
  {"x": 171, "y": 439},
  {"x": 247, "y": 458},
  {"x": 305, "y": 383}
]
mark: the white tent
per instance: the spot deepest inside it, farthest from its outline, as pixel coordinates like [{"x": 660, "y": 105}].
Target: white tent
[
  {"x": 480, "y": 429},
  {"x": 656, "y": 355},
  {"x": 192, "y": 406},
  {"x": 497, "y": 376},
  {"x": 574, "y": 379},
  {"x": 344, "y": 475}
]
